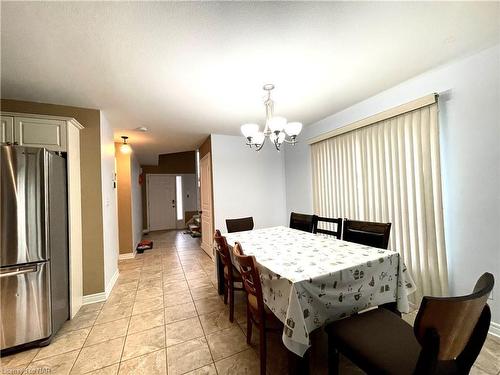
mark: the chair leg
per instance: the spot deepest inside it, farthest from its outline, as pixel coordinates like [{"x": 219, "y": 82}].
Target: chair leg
[
  {"x": 333, "y": 357},
  {"x": 392, "y": 307},
  {"x": 225, "y": 293},
  {"x": 262, "y": 347},
  {"x": 298, "y": 365},
  {"x": 249, "y": 326},
  {"x": 231, "y": 304}
]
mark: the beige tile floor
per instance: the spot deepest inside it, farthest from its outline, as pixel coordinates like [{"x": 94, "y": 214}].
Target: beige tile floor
[{"x": 164, "y": 316}]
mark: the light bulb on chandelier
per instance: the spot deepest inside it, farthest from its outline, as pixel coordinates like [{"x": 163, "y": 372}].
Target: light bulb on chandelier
[{"x": 276, "y": 128}]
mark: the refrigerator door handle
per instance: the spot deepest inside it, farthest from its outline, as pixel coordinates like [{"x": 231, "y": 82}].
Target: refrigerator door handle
[{"x": 19, "y": 271}]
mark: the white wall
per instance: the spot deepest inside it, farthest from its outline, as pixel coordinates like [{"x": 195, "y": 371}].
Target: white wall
[
  {"x": 470, "y": 153},
  {"x": 136, "y": 193},
  {"x": 109, "y": 205},
  {"x": 247, "y": 183}
]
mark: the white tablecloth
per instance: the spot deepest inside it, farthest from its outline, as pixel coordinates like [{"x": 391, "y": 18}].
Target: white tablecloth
[{"x": 309, "y": 280}]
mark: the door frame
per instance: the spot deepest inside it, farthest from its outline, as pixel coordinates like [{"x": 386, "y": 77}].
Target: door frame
[
  {"x": 148, "y": 175},
  {"x": 210, "y": 250}
]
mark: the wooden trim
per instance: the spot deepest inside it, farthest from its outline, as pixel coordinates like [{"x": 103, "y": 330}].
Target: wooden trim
[
  {"x": 382, "y": 116},
  {"x": 94, "y": 298},
  {"x": 205, "y": 147},
  {"x": 495, "y": 329},
  {"x": 75, "y": 233},
  {"x": 102, "y": 296},
  {"x": 112, "y": 283},
  {"x": 127, "y": 255},
  {"x": 72, "y": 120},
  {"x": 209, "y": 249},
  {"x": 147, "y": 202}
]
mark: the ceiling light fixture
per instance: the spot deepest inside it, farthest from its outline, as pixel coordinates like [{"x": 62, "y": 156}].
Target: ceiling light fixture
[
  {"x": 276, "y": 129},
  {"x": 125, "y": 147}
]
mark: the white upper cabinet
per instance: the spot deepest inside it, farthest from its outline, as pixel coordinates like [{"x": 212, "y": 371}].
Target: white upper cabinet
[
  {"x": 40, "y": 132},
  {"x": 7, "y": 129}
]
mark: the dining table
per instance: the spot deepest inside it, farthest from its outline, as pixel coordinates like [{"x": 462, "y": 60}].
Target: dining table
[{"x": 309, "y": 280}]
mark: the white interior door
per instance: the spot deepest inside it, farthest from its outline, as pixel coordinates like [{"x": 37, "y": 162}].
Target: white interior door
[
  {"x": 161, "y": 202},
  {"x": 207, "y": 230}
]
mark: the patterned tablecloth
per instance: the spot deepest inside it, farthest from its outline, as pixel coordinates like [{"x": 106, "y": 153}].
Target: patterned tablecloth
[{"x": 310, "y": 279}]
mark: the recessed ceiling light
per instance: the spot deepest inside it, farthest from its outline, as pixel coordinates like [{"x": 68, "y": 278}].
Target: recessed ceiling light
[{"x": 142, "y": 129}]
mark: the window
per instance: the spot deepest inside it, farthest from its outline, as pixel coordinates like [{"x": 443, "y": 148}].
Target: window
[
  {"x": 389, "y": 171},
  {"x": 179, "y": 195},
  {"x": 198, "y": 178}
]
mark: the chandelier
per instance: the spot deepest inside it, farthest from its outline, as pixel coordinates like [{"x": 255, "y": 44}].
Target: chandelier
[{"x": 277, "y": 129}]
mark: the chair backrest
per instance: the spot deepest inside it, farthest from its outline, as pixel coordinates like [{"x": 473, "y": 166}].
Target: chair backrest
[
  {"x": 336, "y": 233},
  {"x": 250, "y": 275},
  {"x": 239, "y": 225},
  {"x": 223, "y": 250},
  {"x": 367, "y": 233},
  {"x": 454, "y": 319},
  {"x": 303, "y": 222}
]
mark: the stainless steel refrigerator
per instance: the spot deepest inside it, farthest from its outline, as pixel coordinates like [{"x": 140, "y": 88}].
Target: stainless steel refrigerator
[{"x": 34, "y": 272}]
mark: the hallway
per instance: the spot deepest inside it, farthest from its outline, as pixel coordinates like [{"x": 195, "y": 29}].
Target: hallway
[{"x": 163, "y": 313}]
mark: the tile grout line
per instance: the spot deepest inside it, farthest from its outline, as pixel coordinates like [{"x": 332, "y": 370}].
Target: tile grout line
[
  {"x": 204, "y": 333},
  {"x": 203, "y": 330},
  {"x": 86, "y": 338},
  {"x": 69, "y": 351},
  {"x": 221, "y": 330},
  {"x": 163, "y": 289},
  {"x": 164, "y": 320},
  {"x": 188, "y": 265},
  {"x": 163, "y": 325},
  {"x": 50, "y": 356},
  {"x": 129, "y": 320}
]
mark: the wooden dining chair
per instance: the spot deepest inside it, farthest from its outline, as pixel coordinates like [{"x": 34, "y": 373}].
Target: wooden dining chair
[
  {"x": 231, "y": 274},
  {"x": 447, "y": 336},
  {"x": 239, "y": 225},
  {"x": 303, "y": 222},
  {"x": 367, "y": 233},
  {"x": 336, "y": 233},
  {"x": 257, "y": 312}
]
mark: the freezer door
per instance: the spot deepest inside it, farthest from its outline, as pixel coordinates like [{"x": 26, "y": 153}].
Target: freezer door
[
  {"x": 25, "y": 304},
  {"x": 22, "y": 205}
]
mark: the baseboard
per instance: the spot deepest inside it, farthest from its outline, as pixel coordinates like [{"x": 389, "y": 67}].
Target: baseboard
[
  {"x": 111, "y": 283},
  {"x": 102, "y": 296},
  {"x": 208, "y": 251},
  {"x": 127, "y": 255},
  {"x": 494, "y": 329},
  {"x": 93, "y": 298}
]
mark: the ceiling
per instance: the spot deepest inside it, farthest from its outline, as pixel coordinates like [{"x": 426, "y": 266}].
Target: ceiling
[{"x": 185, "y": 70}]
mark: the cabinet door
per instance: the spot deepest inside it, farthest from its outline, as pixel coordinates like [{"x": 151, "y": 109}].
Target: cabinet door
[
  {"x": 34, "y": 132},
  {"x": 7, "y": 129}
]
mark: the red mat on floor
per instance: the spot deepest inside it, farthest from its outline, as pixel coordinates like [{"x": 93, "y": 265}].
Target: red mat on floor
[{"x": 144, "y": 245}]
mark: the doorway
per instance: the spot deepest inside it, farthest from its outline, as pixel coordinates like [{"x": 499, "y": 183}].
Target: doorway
[
  {"x": 161, "y": 198},
  {"x": 207, "y": 230}
]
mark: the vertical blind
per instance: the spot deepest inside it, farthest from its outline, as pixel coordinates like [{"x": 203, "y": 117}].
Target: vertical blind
[{"x": 389, "y": 171}]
